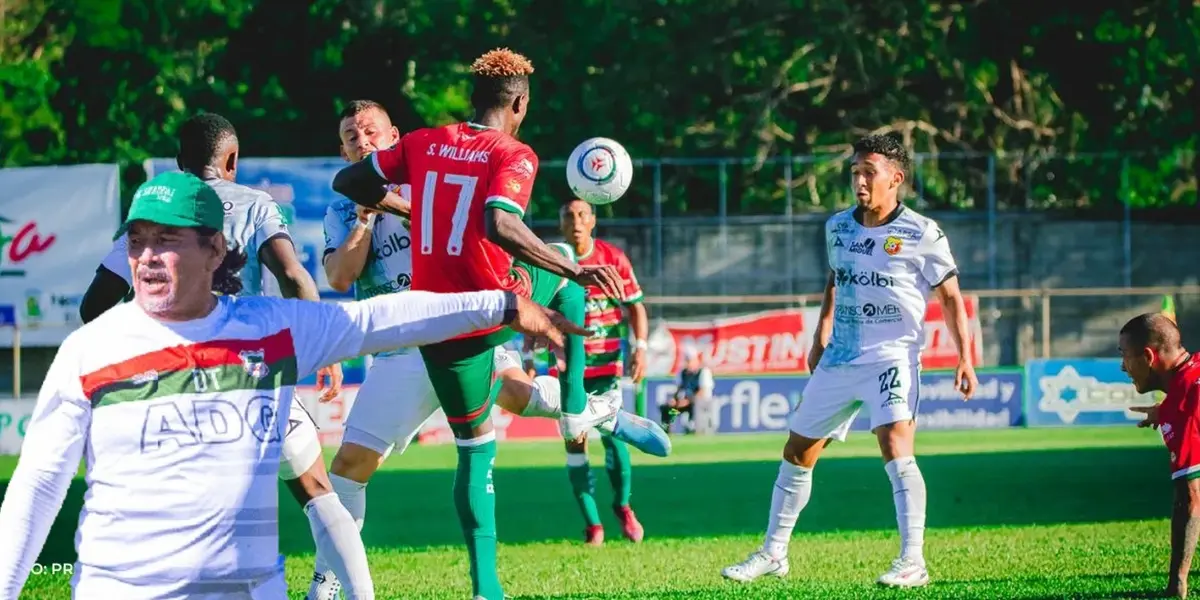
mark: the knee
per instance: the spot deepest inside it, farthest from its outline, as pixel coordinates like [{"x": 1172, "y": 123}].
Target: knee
[
  {"x": 355, "y": 462},
  {"x": 895, "y": 440},
  {"x": 576, "y": 447},
  {"x": 312, "y": 483},
  {"x": 802, "y": 451}
]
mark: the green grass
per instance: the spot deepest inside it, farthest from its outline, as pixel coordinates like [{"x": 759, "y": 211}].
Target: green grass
[{"x": 1070, "y": 513}]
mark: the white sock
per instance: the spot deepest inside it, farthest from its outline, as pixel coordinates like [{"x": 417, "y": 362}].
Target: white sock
[
  {"x": 546, "y": 400},
  {"x": 340, "y": 545},
  {"x": 908, "y": 490},
  {"x": 793, "y": 488},
  {"x": 353, "y": 496}
]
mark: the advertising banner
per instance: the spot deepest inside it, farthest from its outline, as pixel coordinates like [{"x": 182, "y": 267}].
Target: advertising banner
[
  {"x": 14, "y": 418},
  {"x": 56, "y": 224},
  {"x": 778, "y": 341},
  {"x": 758, "y": 404},
  {"x": 302, "y": 187},
  {"x": 1082, "y": 391}
]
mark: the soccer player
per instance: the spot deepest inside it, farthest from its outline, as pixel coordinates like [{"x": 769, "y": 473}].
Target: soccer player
[
  {"x": 471, "y": 183},
  {"x": 370, "y": 251},
  {"x": 1153, "y": 355},
  {"x": 577, "y": 222},
  {"x": 884, "y": 260},
  {"x": 254, "y": 228},
  {"x": 180, "y": 400}
]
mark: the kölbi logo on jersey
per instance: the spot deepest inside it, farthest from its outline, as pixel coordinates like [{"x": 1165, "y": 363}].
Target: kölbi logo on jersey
[{"x": 844, "y": 276}]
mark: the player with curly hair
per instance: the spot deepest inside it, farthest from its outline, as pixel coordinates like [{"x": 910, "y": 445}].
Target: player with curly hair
[{"x": 471, "y": 185}]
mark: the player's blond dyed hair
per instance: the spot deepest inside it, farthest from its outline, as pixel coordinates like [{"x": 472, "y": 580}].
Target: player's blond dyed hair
[{"x": 500, "y": 63}]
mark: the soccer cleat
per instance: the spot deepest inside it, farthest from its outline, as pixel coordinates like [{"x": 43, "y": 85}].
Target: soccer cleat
[
  {"x": 905, "y": 573},
  {"x": 756, "y": 565},
  {"x": 598, "y": 412},
  {"x": 594, "y": 535},
  {"x": 324, "y": 586},
  {"x": 639, "y": 432},
  {"x": 631, "y": 528}
]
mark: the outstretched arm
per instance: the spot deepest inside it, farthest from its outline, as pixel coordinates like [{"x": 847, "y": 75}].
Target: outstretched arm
[
  {"x": 364, "y": 186},
  {"x": 507, "y": 230}
]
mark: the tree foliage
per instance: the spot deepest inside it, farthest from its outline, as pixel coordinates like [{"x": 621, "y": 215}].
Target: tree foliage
[{"x": 109, "y": 80}]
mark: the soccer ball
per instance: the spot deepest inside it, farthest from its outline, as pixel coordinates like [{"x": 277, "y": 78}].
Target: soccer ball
[{"x": 599, "y": 171}]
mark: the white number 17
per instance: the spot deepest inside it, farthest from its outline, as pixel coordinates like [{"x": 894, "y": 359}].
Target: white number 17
[{"x": 462, "y": 211}]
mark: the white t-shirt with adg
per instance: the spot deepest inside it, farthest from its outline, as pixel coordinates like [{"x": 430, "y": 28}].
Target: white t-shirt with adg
[{"x": 181, "y": 425}]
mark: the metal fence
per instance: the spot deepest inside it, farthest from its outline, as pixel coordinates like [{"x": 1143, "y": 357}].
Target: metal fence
[{"x": 741, "y": 226}]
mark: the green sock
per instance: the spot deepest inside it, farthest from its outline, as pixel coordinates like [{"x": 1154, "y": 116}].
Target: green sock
[
  {"x": 584, "y": 487},
  {"x": 571, "y": 302},
  {"x": 475, "y": 499},
  {"x": 620, "y": 470}
]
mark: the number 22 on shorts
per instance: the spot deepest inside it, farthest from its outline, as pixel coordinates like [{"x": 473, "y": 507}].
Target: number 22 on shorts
[
  {"x": 889, "y": 380},
  {"x": 462, "y": 210}
]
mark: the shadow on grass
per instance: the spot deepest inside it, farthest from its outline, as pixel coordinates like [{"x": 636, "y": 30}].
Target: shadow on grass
[{"x": 414, "y": 509}]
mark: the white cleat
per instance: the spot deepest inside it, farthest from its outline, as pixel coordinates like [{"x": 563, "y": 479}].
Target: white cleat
[
  {"x": 599, "y": 411},
  {"x": 905, "y": 573},
  {"x": 759, "y": 563},
  {"x": 325, "y": 586}
]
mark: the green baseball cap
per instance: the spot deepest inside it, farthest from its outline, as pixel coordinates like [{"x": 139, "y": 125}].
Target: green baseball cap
[{"x": 177, "y": 199}]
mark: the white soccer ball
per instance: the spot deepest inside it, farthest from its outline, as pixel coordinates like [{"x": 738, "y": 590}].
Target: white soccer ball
[{"x": 599, "y": 171}]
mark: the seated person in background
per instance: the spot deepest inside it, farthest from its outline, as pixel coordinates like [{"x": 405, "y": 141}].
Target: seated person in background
[{"x": 695, "y": 386}]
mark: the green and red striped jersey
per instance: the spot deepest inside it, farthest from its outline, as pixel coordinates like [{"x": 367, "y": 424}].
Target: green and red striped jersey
[{"x": 605, "y": 316}]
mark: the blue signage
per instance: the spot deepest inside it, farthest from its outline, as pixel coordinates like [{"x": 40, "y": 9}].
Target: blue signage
[
  {"x": 1085, "y": 391},
  {"x": 756, "y": 404}
]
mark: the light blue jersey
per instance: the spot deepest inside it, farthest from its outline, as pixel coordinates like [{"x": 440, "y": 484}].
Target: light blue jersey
[
  {"x": 882, "y": 279},
  {"x": 389, "y": 263}
]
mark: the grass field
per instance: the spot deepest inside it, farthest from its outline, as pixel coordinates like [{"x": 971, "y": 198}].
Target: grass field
[{"x": 1073, "y": 513}]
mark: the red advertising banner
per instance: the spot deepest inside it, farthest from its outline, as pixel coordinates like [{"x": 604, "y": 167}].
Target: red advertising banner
[{"x": 778, "y": 342}]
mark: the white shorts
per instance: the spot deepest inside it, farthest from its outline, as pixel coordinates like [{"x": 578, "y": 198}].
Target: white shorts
[
  {"x": 396, "y": 399},
  {"x": 301, "y": 446},
  {"x": 834, "y": 395},
  {"x": 393, "y": 403}
]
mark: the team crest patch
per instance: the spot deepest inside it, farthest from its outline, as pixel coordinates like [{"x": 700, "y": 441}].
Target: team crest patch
[
  {"x": 892, "y": 245},
  {"x": 514, "y": 187},
  {"x": 254, "y": 363}
]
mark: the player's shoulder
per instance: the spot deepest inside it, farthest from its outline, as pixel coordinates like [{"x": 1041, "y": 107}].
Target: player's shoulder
[
  {"x": 342, "y": 208},
  {"x": 913, "y": 222},
  {"x": 238, "y": 194},
  {"x": 841, "y": 221},
  {"x": 609, "y": 252}
]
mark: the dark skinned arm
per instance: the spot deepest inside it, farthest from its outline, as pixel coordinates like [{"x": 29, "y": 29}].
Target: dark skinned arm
[
  {"x": 363, "y": 186},
  {"x": 1185, "y": 533},
  {"x": 507, "y": 230},
  {"x": 106, "y": 291},
  {"x": 279, "y": 256}
]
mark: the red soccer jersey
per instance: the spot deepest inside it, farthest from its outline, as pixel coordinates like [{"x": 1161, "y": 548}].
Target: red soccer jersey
[
  {"x": 604, "y": 315},
  {"x": 1179, "y": 419},
  {"x": 456, "y": 172}
]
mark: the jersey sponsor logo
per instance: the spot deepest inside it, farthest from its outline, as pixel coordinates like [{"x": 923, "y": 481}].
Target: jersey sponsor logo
[
  {"x": 865, "y": 247},
  {"x": 182, "y": 423},
  {"x": 868, "y": 313},
  {"x": 390, "y": 246},
  {"x": 837, "y": 242},
  {"x": 904, "y": 233},
  {"x": 402, "y": 282},
  {"x": 841, "y": 227},
  {"x": 252, "y": 361},
  {"x": 892, "y": 245},
  {"x": 847, "y": 276}
]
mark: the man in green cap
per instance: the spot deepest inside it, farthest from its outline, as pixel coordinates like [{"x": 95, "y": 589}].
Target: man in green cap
[
  {"x": 181, "y": 399},
  {"x": 257, "y": 241}
]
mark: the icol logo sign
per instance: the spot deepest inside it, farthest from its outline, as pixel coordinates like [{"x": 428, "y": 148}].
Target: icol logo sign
[{"x": 1081, "y": 392}]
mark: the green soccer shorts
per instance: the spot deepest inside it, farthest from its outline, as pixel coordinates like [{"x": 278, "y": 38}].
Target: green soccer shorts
[{"x": 461, "y": 371}]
